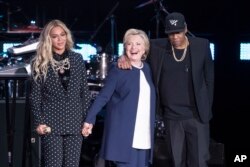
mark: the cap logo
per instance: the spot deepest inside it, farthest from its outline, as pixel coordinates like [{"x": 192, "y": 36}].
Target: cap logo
[{"x": 173, "y": 22}]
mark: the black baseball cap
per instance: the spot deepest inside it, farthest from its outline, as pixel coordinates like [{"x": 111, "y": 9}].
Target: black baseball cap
[{"x": 175, "y": 22}]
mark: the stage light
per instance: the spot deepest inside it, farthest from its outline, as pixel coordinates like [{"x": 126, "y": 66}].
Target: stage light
[
  {"x": 120, "y": 49},
  {"x": 87, "y": 50},
  {"x": 244, "y": 51},
  {"x": 7, "y": 45},
  {"x": 212, "y": 48}
]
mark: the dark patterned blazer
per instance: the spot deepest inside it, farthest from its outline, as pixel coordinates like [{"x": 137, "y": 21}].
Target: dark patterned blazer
[
  {"x": 63, "y": 111},
  {"x": 202, "y": 72}
]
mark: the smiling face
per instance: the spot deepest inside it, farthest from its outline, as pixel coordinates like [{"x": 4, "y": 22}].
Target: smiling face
[
  {"x": 134, "y": 48},
  {"x": 58, "y": 37}
]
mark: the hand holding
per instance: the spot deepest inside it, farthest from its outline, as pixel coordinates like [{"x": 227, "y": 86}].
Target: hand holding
[
  {"x": 87, "y": 129},
  {"x": 43, "y": 129}
]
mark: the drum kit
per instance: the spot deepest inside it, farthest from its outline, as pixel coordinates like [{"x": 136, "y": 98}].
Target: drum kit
[
  {"x": 97, "y": 71},
  {"x": 97, "y": 66}
]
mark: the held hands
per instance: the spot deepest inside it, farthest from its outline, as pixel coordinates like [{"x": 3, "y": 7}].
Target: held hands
[
  {"x": 43, "y": 129},
  {"x": 87, "y": 129},
  {"x": 124, "y": 63}
]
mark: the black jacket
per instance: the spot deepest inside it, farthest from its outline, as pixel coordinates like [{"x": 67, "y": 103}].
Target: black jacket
[
  {"x": 202, "y": 72},
  {"x": 62, "y": 110}
]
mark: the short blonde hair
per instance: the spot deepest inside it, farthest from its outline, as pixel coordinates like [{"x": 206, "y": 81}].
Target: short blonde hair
[{"x": 144, "y": 37}]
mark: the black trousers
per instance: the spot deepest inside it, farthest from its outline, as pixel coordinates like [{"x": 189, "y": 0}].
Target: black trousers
[
  {"x": 61, "y": 150},
  {"x": 189, "y": 142}
]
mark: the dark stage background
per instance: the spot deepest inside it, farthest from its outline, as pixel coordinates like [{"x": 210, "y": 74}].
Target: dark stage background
[{"x": 224, "y": 22}]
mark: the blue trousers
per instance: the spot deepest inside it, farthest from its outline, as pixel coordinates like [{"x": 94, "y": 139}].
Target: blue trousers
[{"x": 139, "y": 158}]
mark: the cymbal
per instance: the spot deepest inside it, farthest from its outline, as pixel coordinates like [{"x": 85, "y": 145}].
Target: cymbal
[
  {"x": 27, "y": 29},
  {"x": 145, "y": 3}
]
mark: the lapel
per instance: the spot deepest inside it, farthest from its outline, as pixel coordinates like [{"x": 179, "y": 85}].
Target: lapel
[
  {"x": 193, "y": 56},
  {"x": 162, "y": 54},
  {"x": 72, "y": 71},
  {"x": 160, "y": 47}
]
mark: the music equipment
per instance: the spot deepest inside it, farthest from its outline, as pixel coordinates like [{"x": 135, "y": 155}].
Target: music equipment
[
  {"x": 146, "y": 3},
  {"x": 16, "y": 70},
  {"x": 12, "y": 80},
  {"x": 13, "y": 133},
  {"x": 25, "y": 142},
  {"x": 92, "y": 67},
  {"x": 217, "y": 153},
  {"x": 98, "y": 65},
  {"x": 4, "y": 159},
  {"x": 25, "y": 29},
  {"x": 26, "y": 47},
  {"x": 103, "y": 60}
]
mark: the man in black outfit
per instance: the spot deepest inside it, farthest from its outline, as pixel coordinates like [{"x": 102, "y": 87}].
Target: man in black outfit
[{"x": 183, "y": 73}]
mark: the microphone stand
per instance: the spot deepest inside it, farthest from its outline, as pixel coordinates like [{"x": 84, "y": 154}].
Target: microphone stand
[
  {"x": 157, "y": 22},
  {"x": 157, "y": 16},
  {"x": 113, "y": 40},
  {"x": 111, "y": 17},
  {"x": 8, "y": 19}
]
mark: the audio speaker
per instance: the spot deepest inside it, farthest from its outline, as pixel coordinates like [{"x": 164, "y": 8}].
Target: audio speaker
[
  {"x": 23, "y": 142},
  {"x": 15, "y": 130},
  {"x": 217, "y": 155},
  {"x": 3, "y": 136}
]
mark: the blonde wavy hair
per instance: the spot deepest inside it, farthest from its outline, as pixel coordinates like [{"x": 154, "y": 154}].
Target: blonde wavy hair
[
  {"x": 144, "y": 37},
  {"x": 44, "y": 51}
]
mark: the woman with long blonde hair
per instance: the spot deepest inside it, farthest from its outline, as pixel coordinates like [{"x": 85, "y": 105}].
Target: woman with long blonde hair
[{"x": 59, "y": 96}]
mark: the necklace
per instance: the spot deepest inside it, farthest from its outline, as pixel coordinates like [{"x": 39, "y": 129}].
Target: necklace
[
  {"x": 183, "y": 54},
  {"x": 62, "y": 65}
]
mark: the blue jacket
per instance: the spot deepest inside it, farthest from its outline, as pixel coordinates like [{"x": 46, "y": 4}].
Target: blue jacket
[{"x": 120, "y": 94}]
